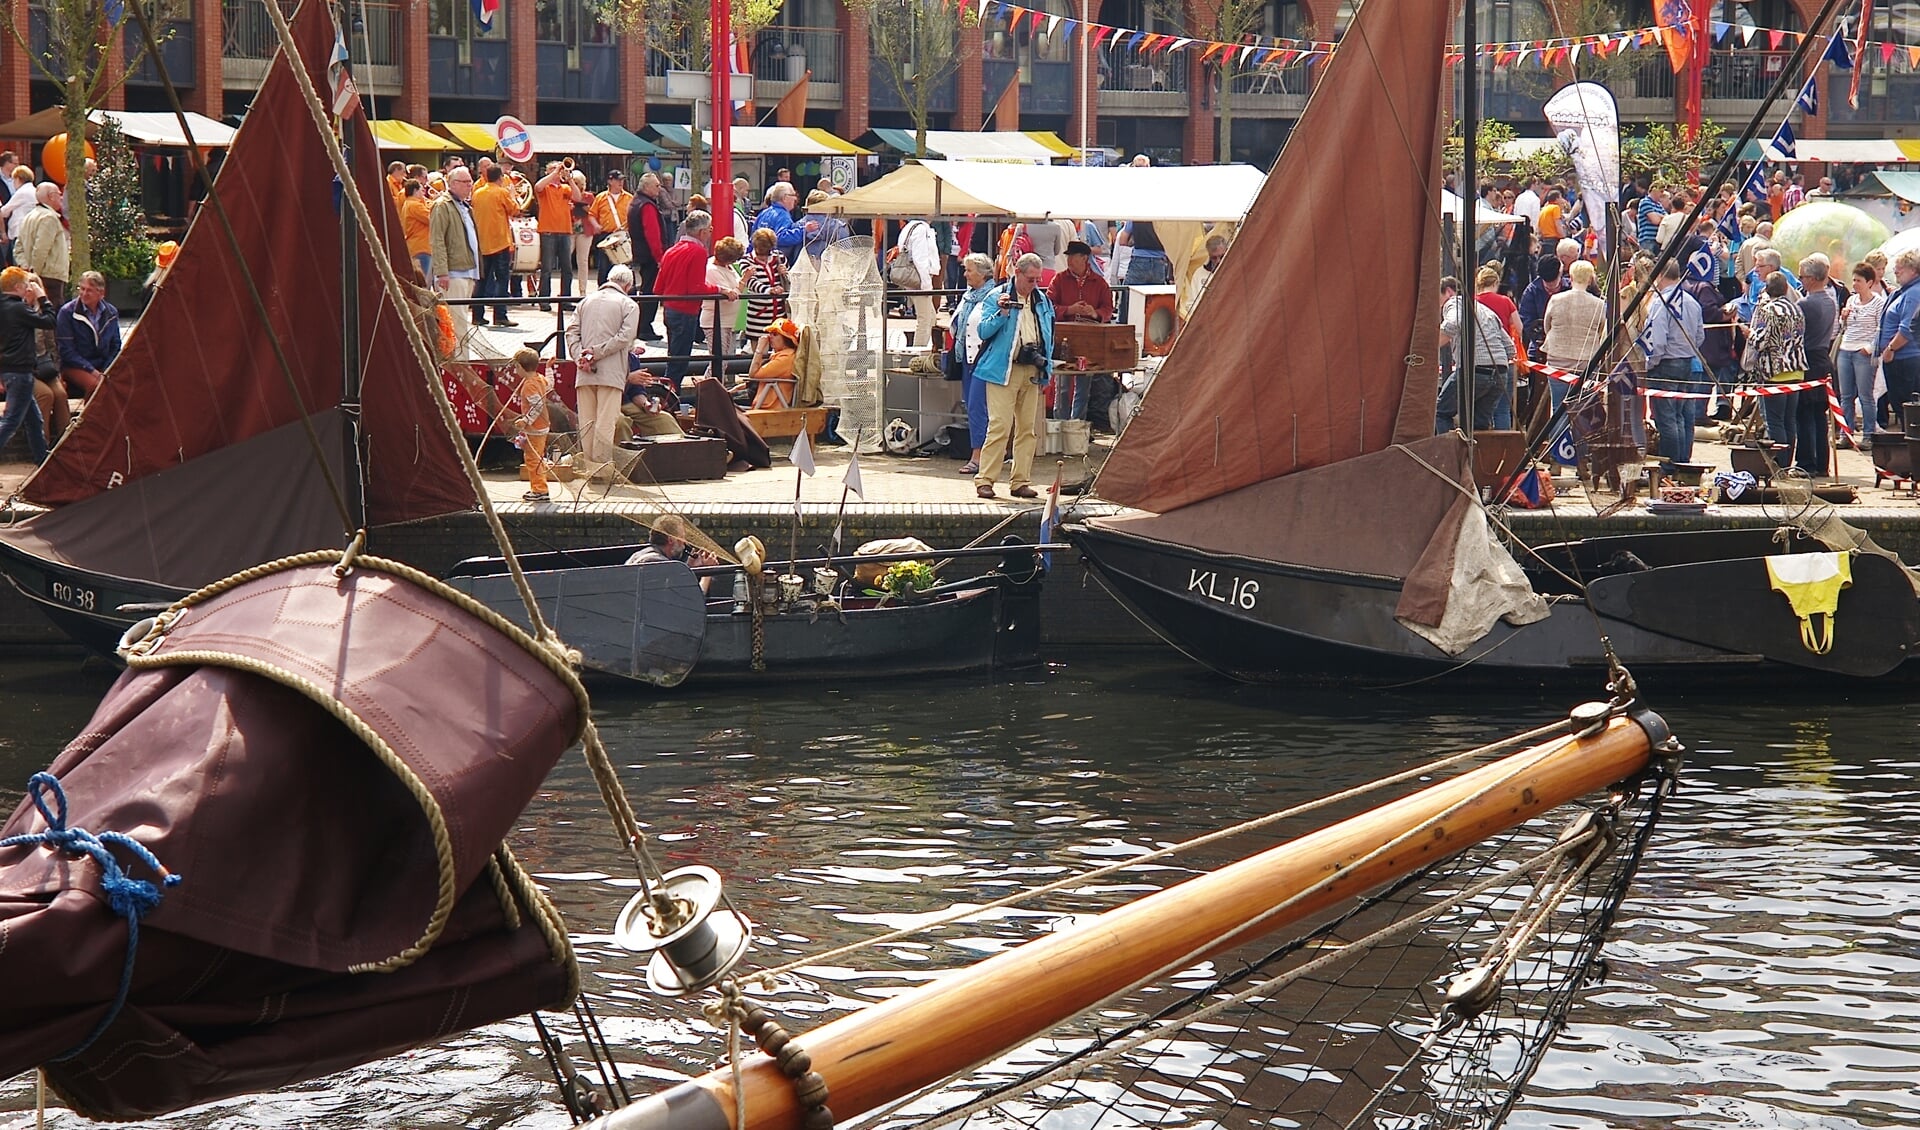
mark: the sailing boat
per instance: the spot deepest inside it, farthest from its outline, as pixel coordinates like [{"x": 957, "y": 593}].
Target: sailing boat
[
  {"x": 1287, "y": 511},
  {"x": 199, "y": 456}
]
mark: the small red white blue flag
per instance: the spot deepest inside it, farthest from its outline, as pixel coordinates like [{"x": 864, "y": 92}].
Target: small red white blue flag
[
  {"x": 484, "y": 11},
  {"x": 346, "y": 98}
]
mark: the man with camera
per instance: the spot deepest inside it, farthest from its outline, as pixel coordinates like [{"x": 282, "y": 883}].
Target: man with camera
[
  {"x": 1011, "y": 335},
  {"x": 24, "y": 308}
]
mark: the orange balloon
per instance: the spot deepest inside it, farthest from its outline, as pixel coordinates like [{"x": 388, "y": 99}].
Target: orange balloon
[{"x": 53, "y": 157}]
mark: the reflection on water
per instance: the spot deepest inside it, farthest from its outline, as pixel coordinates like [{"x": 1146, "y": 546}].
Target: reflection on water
[{"x": 1764, "y": 971}]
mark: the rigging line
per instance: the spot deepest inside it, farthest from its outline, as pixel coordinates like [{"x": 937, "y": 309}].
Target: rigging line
[
  {"x": 1727, "y": 165},
  {"x": 285, "y": 367},
  {"x": 1080, "y": 879},
  {"x": 1112, "y": 1051},
  {"x": 1198, "y": 953},
  {"x": 612, "y": 794}
]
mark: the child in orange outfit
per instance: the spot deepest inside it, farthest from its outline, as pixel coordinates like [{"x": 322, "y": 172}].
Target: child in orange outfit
[{"x": 529, "y": 409}]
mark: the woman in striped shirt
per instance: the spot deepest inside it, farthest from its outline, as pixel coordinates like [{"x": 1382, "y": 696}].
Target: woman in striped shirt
[{"x": 763, "y": 283}]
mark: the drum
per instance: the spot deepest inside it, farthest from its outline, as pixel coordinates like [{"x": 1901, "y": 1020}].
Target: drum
[{"x": 526, "y": 244}]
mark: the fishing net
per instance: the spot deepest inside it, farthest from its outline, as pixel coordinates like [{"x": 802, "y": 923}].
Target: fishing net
[{"x": 1349, "y": 1022}]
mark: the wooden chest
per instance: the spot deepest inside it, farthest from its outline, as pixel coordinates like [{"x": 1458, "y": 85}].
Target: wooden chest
[
  {"x": 675, "y": 459},
  {"x": 1107, "y": 347}
]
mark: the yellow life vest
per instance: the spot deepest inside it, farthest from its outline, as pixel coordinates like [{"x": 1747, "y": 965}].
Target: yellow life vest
[{"x": 1811, "y": 582}]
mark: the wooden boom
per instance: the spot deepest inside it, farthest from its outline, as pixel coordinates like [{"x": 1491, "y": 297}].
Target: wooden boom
[{"x": 898, "y": 1046}]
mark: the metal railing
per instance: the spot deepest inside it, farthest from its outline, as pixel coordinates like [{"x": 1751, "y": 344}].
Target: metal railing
[
  {"x": 783, "y": 54},
  {"x": 1157, "y": 74},
  {"x": 249, "y": 32}
]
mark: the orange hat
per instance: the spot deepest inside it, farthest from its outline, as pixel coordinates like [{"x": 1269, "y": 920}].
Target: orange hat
[
  {"x": 787, "y": 328},
  {"x": 164, "y": 254}
]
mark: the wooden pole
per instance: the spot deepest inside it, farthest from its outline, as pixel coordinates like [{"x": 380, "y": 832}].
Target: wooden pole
[{"x": 918, "y": 1038}]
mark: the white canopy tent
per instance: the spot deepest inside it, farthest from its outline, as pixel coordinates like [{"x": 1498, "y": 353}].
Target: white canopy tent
[
  {"x": 155, "y": 128},
  {"x": 1483, "y": 215},
  {"x": 575, "y": 141},
  {"x": 1202, "y": 193}
]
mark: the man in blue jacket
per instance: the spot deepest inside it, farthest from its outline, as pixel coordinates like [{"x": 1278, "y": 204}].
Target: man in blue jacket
[
  {"x": 1013, "y": 326},
  {"x": 777, "y": 217}
]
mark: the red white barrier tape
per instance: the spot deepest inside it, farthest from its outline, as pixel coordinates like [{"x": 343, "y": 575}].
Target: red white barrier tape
[{"x": 1833, "y": 400}]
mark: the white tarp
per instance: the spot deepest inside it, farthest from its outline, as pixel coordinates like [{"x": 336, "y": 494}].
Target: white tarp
[
  {"x": 1044, "y": 192},
  {"x": 155, "y": 128},
  {"x": 553, "y": 142},
  {"x": 1482, "y": 215},
  {"x": 1487, "y": 587},
  {"x": 1866, "y": 151}
]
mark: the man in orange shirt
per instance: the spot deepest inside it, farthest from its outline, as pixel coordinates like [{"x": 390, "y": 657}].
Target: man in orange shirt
[
  {"x": 396, "y": 182},
  {"x": 415, "y": 220},
  {"x": 609, "y": 215},
  {"x": 554, "y": 201},
  {"x": 493, "y": 212}
]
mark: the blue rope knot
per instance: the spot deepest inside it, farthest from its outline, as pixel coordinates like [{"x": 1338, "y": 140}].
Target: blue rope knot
[{"x": 130, "y": 898}]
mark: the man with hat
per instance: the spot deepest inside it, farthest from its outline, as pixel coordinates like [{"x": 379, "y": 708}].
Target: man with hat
[
  {"x": 1078, "y": 294},
  {"x": 609, "y": 213}
]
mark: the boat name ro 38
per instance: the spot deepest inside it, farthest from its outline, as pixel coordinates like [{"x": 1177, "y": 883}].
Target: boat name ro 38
[{"x": 1239, "y": 591}]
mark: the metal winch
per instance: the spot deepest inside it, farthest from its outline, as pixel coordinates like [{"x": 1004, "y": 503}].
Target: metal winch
[{"x": 686, "y": 921}]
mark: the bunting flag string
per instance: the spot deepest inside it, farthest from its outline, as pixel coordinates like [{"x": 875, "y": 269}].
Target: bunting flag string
[{"x": 1284, "y": 52}]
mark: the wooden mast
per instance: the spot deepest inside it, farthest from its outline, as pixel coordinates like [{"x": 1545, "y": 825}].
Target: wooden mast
[{"x": 918, "y": 1038}]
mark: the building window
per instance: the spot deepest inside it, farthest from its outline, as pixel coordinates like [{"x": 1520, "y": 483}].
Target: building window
[
  {"x": 454, "y": 18},
  {"x": 572, "y": 22}
]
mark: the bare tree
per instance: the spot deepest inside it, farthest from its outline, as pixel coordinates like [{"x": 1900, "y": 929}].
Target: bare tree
[
  {"x": 1219, "y": 21},
  {"x": 77, "y": 61},
  {"x": 681, "y": 31},
  {"x": 917, "y": 44}
]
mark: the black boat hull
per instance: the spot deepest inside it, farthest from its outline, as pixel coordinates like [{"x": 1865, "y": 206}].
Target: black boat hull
[
  {"x": 93, "y": 609},
  {"x": 1259, "y": 621}
]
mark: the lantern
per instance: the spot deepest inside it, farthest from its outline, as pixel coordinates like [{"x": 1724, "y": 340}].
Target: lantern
[{"x": 53, "y": 156}]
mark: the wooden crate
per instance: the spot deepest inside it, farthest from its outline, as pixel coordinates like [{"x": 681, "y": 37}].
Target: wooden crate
[
  {"x": 1107, "y": 348},
  {"x": 673, "y": 459},
  {"x": 784, "y": 423}
]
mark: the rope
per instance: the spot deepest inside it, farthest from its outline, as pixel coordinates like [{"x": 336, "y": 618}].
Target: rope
[
  {"x": 611, "y": 792},
  {"x": 1253, "y": 825},
  {"x": 128, "y": 897},
  {"x": 1160, "y": 1030}
]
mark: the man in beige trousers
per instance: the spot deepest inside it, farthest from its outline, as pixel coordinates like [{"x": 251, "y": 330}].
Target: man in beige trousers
[{"x": 600, "y": 338}]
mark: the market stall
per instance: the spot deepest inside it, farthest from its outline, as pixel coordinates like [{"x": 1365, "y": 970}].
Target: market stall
[{"x": 1029, "y": 147}]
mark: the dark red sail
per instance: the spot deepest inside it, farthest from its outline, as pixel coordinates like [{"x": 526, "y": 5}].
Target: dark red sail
[
  {"x": 1318, "y": 338},
  {"x": 198, "y": 373}
]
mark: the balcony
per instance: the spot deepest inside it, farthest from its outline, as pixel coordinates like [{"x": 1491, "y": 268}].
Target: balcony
[
  {"x": 1154, "y": 86},
  {"x": 882, "y": 95},
  {"x": 782, "y": 54},
  {"x": 176, "y": 54},
  {"x": 589, "y": 72},
  {"x": 250, "y": 43}
]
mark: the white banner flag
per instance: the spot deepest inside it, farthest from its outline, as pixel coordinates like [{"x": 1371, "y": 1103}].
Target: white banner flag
[{"x": 1586, "y": 120}]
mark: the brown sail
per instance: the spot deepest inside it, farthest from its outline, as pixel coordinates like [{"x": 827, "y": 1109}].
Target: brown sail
[
  {"x": 199, "y": 375},
  {"x": 1318, "y": 340}
]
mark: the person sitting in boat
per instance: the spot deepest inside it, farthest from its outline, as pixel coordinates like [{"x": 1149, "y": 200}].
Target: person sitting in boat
[
  {"x": 667, "y": 541},
  {"x": 771, "y": 375}
]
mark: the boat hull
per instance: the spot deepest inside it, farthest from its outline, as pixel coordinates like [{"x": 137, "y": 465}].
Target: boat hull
[
  {"x": 1260, "y": 621},
  {"x": 93, "y": 609}
]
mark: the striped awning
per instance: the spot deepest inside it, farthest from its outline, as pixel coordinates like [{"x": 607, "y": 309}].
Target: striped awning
[
  {"x": 470, "y": 135},
  {"x": 765, "y": 141},
  {"x": 405, "y": 136}
]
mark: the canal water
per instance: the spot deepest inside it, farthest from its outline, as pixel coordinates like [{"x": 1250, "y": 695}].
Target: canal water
[{"x": 1764, "y": 971}]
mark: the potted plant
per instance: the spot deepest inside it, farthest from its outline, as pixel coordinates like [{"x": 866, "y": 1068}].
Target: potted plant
[{"x": 121, "y": 250}]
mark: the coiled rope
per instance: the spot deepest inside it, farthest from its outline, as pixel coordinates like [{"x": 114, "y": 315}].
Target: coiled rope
[{"x": 128, "y": 897}]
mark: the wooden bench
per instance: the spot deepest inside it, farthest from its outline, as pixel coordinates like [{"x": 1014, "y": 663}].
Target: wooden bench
[{"x": 784, "y": 423}]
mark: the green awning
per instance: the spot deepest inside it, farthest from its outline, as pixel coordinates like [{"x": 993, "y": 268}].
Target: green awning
[
  {"x": 898, "y": 140},
  {"x": 1885, "y": 183},
  {"x": 625, "y": 139},
  {"x": 672, "y": 134}
]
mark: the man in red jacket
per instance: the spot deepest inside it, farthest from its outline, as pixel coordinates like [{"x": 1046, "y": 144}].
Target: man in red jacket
[
  {"x": 648, "y": 225},
  {"x": 683, "y": 271}
]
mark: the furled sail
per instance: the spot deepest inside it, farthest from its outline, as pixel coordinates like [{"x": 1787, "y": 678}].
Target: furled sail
[
  {"x": 1319, "y": 341},
  {"x": 198, "y": 374}
]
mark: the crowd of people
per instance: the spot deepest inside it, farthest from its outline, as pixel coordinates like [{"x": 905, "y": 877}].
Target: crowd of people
[{"x": 1724, "y": 313}]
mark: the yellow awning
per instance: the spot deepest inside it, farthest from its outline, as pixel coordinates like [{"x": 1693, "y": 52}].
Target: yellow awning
[
  {"x": 470, "y": 135},
  {"x": 833, "y": 141},
  {"x": 1909, "y": 147},
  {"x": 1052, "y": 141},
  {"x": 396, "y": 134}
]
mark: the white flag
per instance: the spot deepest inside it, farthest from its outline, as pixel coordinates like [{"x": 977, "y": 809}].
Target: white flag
[
  {"x": 802, "y": 453},
  {"x": 853, "y": 477}
]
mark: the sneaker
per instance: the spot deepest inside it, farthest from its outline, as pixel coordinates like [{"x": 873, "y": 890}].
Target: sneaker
[
  {"x": 503, "y": 324},
  {"x": 536, "y": 496}
]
